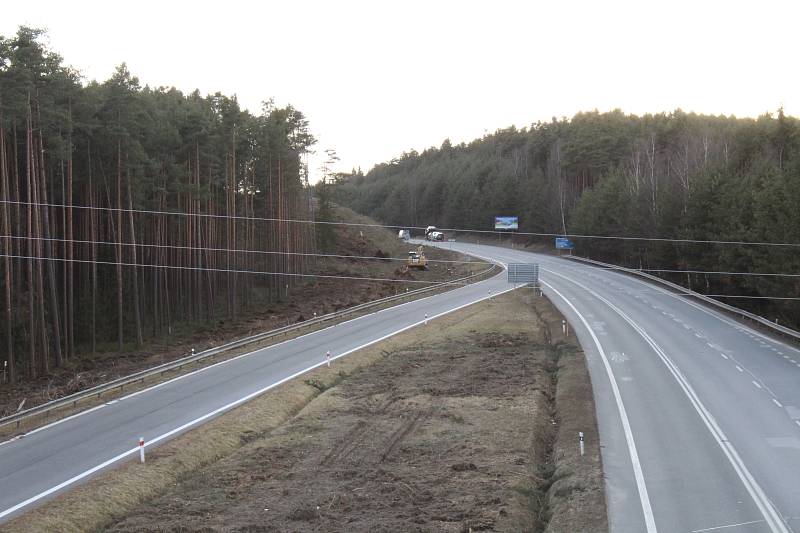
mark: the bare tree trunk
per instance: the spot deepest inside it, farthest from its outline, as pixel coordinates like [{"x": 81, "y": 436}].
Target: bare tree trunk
[
  {"x": 4, "y": 220},
  {"x": 51, "y": 273},
  {"x": 118, "y": 247},
  {"x": 32, "y": 370},
  {"x": 136, "y": 311},
  {"x": 69, "y": 318},
  {"x": 44, "y": 363},
  {"x": 55, "y": 320},
  {"x": 93, "y": 247},
  {"x": 282, "y": 293}
]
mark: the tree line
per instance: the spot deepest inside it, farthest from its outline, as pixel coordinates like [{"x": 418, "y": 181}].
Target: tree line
[
  {"x": 675, "y": 175},
  {"x": 100, "y": 182}
]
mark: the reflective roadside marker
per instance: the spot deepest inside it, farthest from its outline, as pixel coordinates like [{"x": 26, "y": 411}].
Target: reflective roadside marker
[
  {"x": 426, "y": 319},
  {"x": 580, "y": 438},
  {"x": 141, "y": 449},
  {"x": 328, "y": 358}
]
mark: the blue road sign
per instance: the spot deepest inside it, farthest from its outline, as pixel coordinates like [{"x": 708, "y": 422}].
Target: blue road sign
[{"x": 562, "y": 243}]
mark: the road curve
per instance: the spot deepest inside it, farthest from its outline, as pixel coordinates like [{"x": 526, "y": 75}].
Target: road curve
[{"x": 699, "y": 416}]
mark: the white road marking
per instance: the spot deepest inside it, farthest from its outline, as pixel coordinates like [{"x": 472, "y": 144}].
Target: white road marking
[
  {"x": 227, "y": 407},
  {"x": 728, "y": 526},
  {"x": 797, "y": 422},
  {"x": 644, "y": 499},
  {"x": 723, "y": 355},
  {"x": 756, "y": 384},
  {"x": 776, "y": 402},
  {"x": 745, "y": 329},
  {"x": 226, "y": 361},
  {"x": 768, "y": 511},
  {"x": 739, "y": 368}
]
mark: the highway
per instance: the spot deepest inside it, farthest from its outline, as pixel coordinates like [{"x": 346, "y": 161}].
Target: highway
[{"x": 699, "y": 416}]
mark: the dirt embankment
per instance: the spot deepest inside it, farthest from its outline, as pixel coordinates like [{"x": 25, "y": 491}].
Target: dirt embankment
[{"x": 467, "y": 424}]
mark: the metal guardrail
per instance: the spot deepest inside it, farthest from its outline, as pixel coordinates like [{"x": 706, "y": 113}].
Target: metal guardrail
[
  {"x": 120, "y": 383},
  {"x": 795, "y": 335}
]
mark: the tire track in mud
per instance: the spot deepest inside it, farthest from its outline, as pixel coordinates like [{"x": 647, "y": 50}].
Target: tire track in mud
[
  {"x": 404, "y": 431},
  {"x": 392, "y": 419}
]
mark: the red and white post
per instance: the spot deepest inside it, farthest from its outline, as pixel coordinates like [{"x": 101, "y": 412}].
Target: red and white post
[{"x": 141, "y": 449}]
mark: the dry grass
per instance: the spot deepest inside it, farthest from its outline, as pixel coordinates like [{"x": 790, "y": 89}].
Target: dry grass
[{"x": 571, "y": 495}]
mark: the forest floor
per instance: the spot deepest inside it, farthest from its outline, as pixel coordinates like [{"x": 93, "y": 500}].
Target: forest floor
[
  {"x": 467, "y": 424},
  {"x": 320, "y": 296}
]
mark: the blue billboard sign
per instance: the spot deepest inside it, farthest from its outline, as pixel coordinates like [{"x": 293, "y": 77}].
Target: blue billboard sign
[
  {"x": 562, "y": 243},
  {"x": 506, "y": 223}
]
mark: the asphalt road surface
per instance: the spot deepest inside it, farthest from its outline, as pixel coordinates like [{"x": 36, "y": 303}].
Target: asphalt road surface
[{"x": 699, "y": 416}]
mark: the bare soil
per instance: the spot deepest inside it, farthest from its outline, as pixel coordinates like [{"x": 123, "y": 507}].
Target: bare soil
[
  {"x": 320, "y": 296},
  {"x": 467, "y": 424}
]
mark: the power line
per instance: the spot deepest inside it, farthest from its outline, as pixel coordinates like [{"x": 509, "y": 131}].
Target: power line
[
  {"x": 452, "y": 230},
  {"x": 230, "y": 271},
  {"x": 327, "y": 276},
  {"x": 234, "y": 250},
  {"x": 367, "y": 257}
]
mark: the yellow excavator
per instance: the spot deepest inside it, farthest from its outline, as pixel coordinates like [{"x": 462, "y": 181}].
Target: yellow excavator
[{"x": 417, "y": 260}]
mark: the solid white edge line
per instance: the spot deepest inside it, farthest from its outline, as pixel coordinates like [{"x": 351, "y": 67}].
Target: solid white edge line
[
  {"x": 726, "y": 527},
  {"x": 647, "y": 509},
  {"x": 768, "y": 511},
  {"x": 224, "y": 408},
  {"x": 716, "y": 314},
  {"x": 226, "y": 361}
]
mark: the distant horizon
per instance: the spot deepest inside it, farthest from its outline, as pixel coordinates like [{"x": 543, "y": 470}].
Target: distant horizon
[{"x": 375, "y": 81}]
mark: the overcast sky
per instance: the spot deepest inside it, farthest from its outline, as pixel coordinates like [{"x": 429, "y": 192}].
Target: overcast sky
[{"x": 379, "y": 78}]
